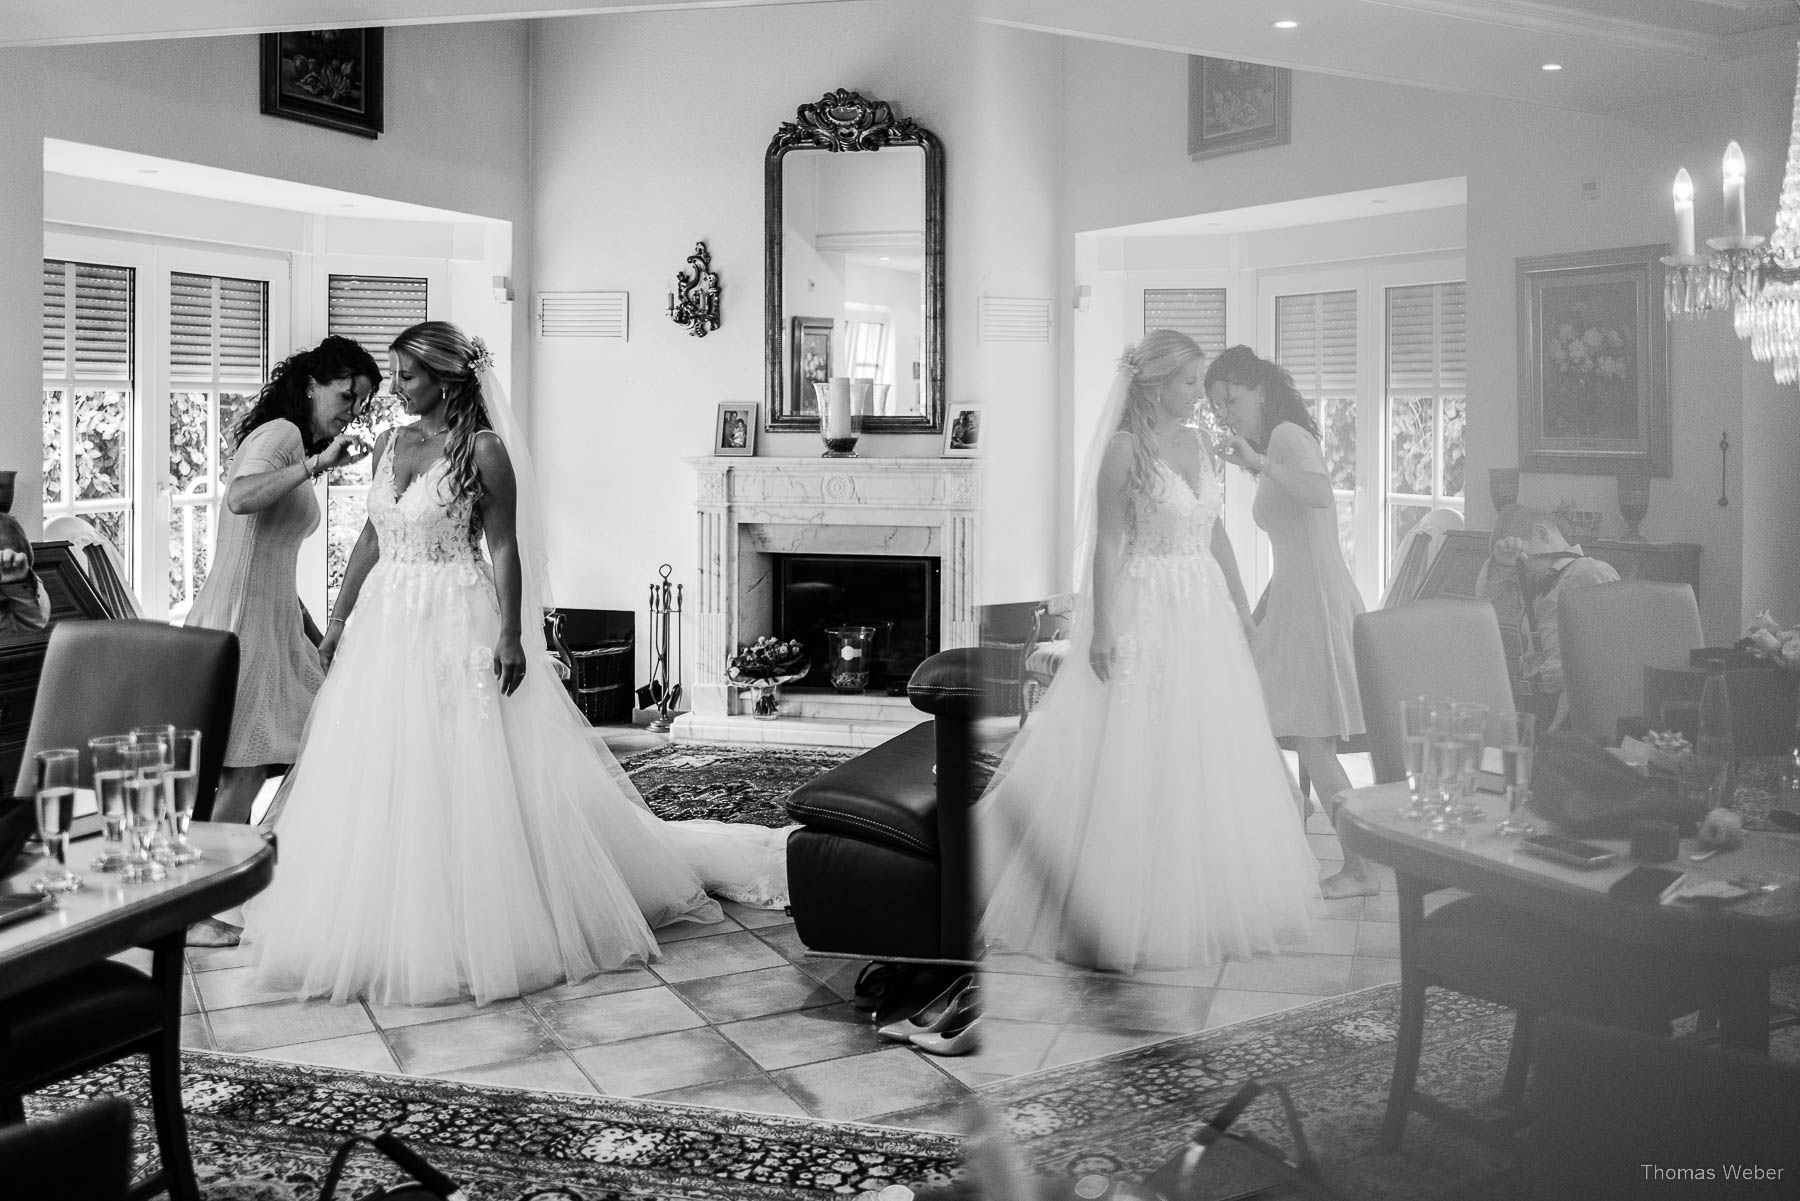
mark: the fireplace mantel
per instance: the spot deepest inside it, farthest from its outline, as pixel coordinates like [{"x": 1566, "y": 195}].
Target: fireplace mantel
[{"x": 750, "y": 508}]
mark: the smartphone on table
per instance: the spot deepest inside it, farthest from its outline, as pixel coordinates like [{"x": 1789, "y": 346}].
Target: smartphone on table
[
  {"x": 17, "y": 906},
  {"x": 1568, "y": 850}
]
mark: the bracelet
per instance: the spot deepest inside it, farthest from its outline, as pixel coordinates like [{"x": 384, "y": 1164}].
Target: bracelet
[
  {"x": 334, "y": 621},
  {"x": 307, "y": 464}
]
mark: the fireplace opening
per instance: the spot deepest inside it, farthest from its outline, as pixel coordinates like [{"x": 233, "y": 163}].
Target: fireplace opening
[{"x": 895, "y": 594}]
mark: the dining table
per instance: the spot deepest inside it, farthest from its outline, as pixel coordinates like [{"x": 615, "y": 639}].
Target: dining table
[{"x": 1740, "y": 941}]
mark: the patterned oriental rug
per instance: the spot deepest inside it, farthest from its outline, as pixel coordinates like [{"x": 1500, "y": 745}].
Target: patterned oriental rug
[{"x": 264, "y": 1131}]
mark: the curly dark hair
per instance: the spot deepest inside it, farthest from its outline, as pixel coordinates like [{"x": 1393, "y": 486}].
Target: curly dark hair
[
  {"x": 1281, "y": 400},
  {"x": 283, "y": 398}
]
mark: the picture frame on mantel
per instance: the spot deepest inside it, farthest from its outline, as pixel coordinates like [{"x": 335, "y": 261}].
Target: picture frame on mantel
[
  {"x": 734, "y": 430},
  {"x": 962, "y": 432},
  {"x": 329, "y": 77},
  {"x": 1235, "y": 106},
  {"x": 1594, "y": 363}
]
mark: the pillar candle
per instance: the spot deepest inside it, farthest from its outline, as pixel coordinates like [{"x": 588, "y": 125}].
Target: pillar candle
[
  {"x": 1684, "y": 213},
  {"x": 1734, "y": 190},
  {"x": 837, "y": 416}
]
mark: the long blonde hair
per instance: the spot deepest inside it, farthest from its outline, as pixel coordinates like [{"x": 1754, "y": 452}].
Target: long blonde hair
[
  {"x": 445, "y": 353},
  {"x": 1160, "y": 357}
]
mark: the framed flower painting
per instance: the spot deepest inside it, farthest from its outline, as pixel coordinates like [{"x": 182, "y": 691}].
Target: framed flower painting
[{"x": 1593, "y": 363}]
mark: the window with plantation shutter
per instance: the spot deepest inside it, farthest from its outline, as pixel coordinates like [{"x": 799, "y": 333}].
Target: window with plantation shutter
[
  {"x": 1425, "y": 404},
  {"x": 372, "y": 309},
  {"x": 1197, "y": 312},
  {"x": 89, "y": 372},
  {"x": 1315, "y": 339},
  {"x": 218, "y": 329}
]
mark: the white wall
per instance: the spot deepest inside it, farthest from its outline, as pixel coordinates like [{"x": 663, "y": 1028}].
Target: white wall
[
  {"x": 456, "y": 137},
  {"x": 649, "y": 133},
  {"x": 1124, "y": 161}
]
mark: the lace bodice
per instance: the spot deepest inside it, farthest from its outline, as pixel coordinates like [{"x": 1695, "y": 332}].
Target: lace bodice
[
  {"x": 418, "y": 526},
  {"x": 1180, "y": 520}
]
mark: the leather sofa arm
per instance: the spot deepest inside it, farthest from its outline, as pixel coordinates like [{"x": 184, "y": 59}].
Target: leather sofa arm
[{"x": 950, "y": 683}]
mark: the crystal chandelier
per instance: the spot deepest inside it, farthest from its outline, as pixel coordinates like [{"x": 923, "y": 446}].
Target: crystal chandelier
[{"x": 1758, "y": 277}]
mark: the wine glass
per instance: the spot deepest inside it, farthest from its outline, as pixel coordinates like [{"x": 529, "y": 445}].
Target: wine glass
[
  {"x": 1416, "y": 716},
  {"x": 182, "y": 781},
  {"x": 57, "y": 773},
  {"x": 161, "y": 848},
  {"x": 1516, "y": 736},
  {"x": 108, "y": 755},
  {"x": 1471, "y": 737},
  {"x": 143, "y": 808}
]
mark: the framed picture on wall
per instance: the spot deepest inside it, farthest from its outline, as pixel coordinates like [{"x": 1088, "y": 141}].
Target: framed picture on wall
[
  {"x": 810, "y": 356},
  {"x": 329, "y": 77},
  {"x": 962, "y": 432},
  {"x": 1235, "y": 106},
  {"x": 1594, "y": 363},
  {"x": 734, "y": 432}
]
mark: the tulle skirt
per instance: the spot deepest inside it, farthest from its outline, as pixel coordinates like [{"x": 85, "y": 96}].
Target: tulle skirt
[
  {"x": 439, "y": 840},
  {"x": 1149, "y": 822}
]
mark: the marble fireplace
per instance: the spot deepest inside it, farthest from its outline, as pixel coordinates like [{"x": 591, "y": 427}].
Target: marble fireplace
[{"x": 752, "y": 510}]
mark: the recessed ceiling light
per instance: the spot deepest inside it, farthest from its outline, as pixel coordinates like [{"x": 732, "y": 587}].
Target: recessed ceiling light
[
  {"x": 1552, "y": 66},
  {"x": 149, "y": 171},
  {"x": 1379, "y": 200},
  {"x": 1285, "y": 24},
  {"x": 345, "y": 204}
]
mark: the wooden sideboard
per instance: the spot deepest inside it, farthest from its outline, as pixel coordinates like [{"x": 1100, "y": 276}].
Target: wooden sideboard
[{"x": 1459, "y": 570}]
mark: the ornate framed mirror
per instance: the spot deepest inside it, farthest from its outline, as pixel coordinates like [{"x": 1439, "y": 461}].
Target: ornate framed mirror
[{"x": 853, "y": 257}]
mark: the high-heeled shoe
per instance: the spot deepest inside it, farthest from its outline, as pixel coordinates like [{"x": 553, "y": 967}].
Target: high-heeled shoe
[
  {"x": 935, "y": 1013},
  {"x": 958, "y": 1036}
]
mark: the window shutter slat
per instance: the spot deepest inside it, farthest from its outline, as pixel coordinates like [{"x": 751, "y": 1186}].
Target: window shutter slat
[
  {"x": 56, "y": 317},
  {"x": 373, "y": 309},
  {"x": 1197, "y": 312},
  {"x": 103, "y": 322},
  {"x": 218, "y": 329},
  {"x": 1315, "y": 339}
]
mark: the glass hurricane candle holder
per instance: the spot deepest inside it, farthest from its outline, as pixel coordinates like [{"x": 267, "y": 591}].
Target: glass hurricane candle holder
[
  {"x": 840, "y": 419},
  {"x": 851, "y": 649}
]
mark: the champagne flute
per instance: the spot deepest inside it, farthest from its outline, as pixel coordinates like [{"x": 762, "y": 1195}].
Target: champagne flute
[
  {"x": 1445, "y": 761},
  {"x": 1415, "y": 741},
  {"x": 1516, "y": 736},
  {"x": 143, "y": 807},
  {"x": 108, "y": 754},
  {"x": 1471, "y": 737},
  {"x": 57, "y": 773},
  {"x": 161, "y": 849},
  {"x": 182, "y": 780}
]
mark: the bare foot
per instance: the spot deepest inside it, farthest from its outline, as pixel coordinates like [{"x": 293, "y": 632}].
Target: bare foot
[
  {"x": 211, "y": 932},
  {"x": 1344, "y": 884}
]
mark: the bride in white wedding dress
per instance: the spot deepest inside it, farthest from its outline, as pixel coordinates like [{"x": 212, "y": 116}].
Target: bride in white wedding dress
[
  {"x": 1143, "y": 818},
  {"x": 450, "y": 828}
]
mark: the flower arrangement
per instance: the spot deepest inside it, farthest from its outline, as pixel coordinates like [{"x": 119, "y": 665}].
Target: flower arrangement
[
  {"x": 764, "y": 660},
  {"x": 1584, "y": 353},
  {"x": 1772, "y": 644}
]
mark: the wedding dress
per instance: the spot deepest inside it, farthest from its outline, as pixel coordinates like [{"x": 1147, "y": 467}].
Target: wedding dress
[
  {"x": 1148, "y": 821},
  {"x": 438, "y": 839}
]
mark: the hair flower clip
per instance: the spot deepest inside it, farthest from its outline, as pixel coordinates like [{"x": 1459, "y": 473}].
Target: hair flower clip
[
  {"x": 482, "y": 359},
  {"x": 1128, "y": 361}
]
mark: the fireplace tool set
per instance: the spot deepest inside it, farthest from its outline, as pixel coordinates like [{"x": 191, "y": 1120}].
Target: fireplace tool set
[{"x": 663, "y": 692}]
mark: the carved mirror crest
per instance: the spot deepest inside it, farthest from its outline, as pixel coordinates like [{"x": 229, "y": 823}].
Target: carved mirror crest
[{"x": 853, "y": 237}]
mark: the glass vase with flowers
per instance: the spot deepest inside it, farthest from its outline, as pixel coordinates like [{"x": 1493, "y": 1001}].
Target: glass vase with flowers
[{"x": 761, "y": 668}]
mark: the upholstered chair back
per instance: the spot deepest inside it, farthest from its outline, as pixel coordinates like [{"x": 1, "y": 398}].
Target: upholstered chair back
[
  {"x": 1449, "y": 649},
  {"x": 1608, "y": 634}
]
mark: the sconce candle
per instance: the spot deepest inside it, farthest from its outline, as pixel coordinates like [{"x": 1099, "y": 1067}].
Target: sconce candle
[
  {"x": 1684, "y": 213},
  {"x": 1732, "y": 171}
]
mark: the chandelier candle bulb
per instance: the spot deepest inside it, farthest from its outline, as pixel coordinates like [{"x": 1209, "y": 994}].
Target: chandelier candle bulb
[
  {"x": 1733, "y": 173},
  {"x": 1684, "y": 213}
]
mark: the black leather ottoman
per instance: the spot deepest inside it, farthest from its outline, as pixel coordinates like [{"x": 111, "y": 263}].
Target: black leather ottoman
[{"x": 882, "y": 868}]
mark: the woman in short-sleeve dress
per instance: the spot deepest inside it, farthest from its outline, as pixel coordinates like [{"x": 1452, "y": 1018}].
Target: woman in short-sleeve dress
[
  {"x": 291, "y": 435},
  {"x": 1303, "y": 648}
]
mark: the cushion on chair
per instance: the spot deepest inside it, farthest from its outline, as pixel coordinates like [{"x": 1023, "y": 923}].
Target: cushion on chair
[
  {"x": 87, "y": 1012},
  {"x": 1608, "y": 634},
  {"x": 1449, "y": 649},
  {"x": 1521, "y": 959},
  {"x": 886, "y": 795}
]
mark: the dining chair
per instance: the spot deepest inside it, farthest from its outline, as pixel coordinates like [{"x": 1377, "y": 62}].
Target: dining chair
[
  {"x": 1606, "y": 1102},
  {"x": 1451, "y": 649},
  {"x": 1608, "y": 634},
  {"x": 102, "y": 677},
  {"x": 84, "y": 1152}
]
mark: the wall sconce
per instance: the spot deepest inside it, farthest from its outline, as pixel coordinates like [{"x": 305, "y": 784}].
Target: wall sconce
[{"x": 695, "y": 300}]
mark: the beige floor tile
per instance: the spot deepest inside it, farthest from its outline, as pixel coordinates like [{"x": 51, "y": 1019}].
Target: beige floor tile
[
  {"x": 784, "y": 1040},
  {"x": 140, "y": 958},
  {"x": 1184, "y": 977},
  {"x": 230, "y": 987},
  {"x": 839, "y": 975},
  {"x": 785, "y": 940},
  {"x": 470, "y": 1042},
  {"x": 716, "y": 955},
  {"x": 1021, "y": 998},
  {"x": 1382, "y": 908},
  {"x": 1332, "y": 936},
  {"x": 212, "y": 959},
  {"x": 190, "y": 998},
  {"x": 1026, "y": 965},
  {"x": 1232, "y": 1005},
  {"x": 398, "y": 1017},
  {"x": 552, "y": 1073},
  {"x": 683, "y": 931},
  {"x": 283, "y": 1023},
  {"x": 1378, "y": 939},
  {"x": 356, "y": 1052},
  {"x": 1077, "y": 1043},
  {"x": 1125, "y": 1005},
  {"x": 1343, "y": 909},
  {"x": 1321, "y": 975},
  {"x": 751, "y": 918},
  {"x": 755, "y": 994},
  {"x": 662, "y": 1062},
  {"x": 746, "y": 1094},
  {"x": 196, "y": 1034},
  {"x": 950, "y": 1117},
  {"x": 1007, "y": 1049},
  {"x": 1370, "y": 972},
  {"x": 864, "y": 1085},
  {"x": 614, "y": 1017},
  {"x": 623, "y": 980},
  {"x": 1325, "y": 846}
]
